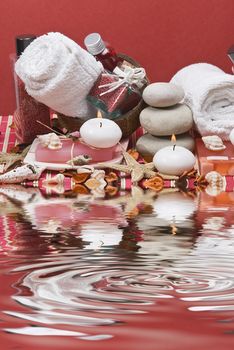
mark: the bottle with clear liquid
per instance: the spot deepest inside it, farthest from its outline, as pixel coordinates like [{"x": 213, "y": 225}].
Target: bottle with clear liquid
[
  {"x": 28, "y": 110},
  {"x": 102, "y": 51}
]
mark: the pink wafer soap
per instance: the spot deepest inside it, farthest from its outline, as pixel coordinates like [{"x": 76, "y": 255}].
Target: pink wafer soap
[{"x": 72, "y": 149}]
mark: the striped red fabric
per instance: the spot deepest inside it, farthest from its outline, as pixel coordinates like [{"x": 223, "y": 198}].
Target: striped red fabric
[
  {"x": 7, "y": 136},
  {"x": 8, "y": 140}
]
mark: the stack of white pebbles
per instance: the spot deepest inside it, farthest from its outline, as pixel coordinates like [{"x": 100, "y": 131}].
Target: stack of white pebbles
[{"x": 164, "y": 116}]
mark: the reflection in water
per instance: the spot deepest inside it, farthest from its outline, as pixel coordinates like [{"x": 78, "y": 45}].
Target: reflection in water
[{"x": 80, "y": 263}]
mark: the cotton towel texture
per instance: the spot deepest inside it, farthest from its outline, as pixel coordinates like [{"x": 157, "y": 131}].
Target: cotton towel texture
[
  {"x": 209, "y": 92},
  {"x": 59, "y": 73}
]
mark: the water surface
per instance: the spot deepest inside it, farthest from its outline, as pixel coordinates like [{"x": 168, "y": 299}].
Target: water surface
[{"x": 82, "y": 273}]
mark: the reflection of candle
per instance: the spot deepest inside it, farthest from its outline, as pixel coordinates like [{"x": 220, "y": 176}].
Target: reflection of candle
[
  {"x": 174, "y": 160},
  {"x": 100, "y": 132},
  {"x": 101, "y": 235},
  {"x": 174, "y": 207}
]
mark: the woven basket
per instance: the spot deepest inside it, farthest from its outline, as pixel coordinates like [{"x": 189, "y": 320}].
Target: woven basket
[{"x": 128, "y": 122}]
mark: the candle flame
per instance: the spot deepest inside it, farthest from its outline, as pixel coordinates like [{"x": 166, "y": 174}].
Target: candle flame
[
  {"x": 99, "y": 114},
  {"x": 173, "y": 138}
]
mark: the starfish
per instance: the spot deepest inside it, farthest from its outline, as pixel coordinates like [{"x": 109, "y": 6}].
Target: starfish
[{"x": 136, "y": 170}]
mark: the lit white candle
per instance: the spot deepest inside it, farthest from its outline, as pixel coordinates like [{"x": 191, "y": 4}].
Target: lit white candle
[
  {"x": 231, "y": 137},
  {"x": 100, "y": 133},
  {"x": 174, "y": 160}
]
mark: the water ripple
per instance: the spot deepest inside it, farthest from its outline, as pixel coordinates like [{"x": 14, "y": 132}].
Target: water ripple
[
  {"x": 100, "y": 274},
  {"x": 81, "y": 289}
]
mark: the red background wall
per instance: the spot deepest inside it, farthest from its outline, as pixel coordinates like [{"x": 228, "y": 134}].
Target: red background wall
[{"x": 164, "y": 35}]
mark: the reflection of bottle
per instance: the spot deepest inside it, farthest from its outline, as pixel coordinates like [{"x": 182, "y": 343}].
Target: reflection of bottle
[
  {"x": 103, "y": 52},
  {"x": 28, "y": 110}
]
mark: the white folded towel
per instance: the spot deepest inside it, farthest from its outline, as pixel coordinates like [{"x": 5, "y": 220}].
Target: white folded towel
[
  {"x": 209, "y": 92},
  {"x": 59, "y": 73}
]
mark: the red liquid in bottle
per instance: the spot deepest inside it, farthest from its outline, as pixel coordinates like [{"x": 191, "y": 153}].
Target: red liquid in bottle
[{"x": 108, "y": 58}]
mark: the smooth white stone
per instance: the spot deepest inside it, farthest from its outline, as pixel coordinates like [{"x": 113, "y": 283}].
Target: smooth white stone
[
  {"x": 163, "y": 94},
  {"x": 167, "y": 121}
]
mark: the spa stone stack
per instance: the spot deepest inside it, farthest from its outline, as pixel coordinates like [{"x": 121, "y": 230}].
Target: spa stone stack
[{"x": 164, "y": 116}]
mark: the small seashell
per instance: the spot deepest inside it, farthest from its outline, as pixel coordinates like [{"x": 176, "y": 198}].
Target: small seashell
[
  {"x": 25, "y": 172},
  {"x": 85, "y": 169},
  {"x": 213, "y": 143},
  {"x": 82, "y": 159},
  {"x": 55, "y": 142},
  {"x": 51, "y": 141},
  {"x": 44, "y": 139},
  {"x": 216, "y": 183}
]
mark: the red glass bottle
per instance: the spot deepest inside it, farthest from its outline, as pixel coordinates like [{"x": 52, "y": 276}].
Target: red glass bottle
[
  {"x": 102, "y": 51},
  {"x": 28, "y": 110},
  {"x": 117, "y": 102}
]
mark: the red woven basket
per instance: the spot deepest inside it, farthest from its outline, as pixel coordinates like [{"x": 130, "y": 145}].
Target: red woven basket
[{"x": 128, "y": 122}]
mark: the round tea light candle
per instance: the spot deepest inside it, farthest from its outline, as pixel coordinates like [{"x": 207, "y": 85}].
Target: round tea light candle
[
  {"x": 100, "y": 133},
  {"x": 174, "y": 160},
  {"x": 231, "y": 137}
]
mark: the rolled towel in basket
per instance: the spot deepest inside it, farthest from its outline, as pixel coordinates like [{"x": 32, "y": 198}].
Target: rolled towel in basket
[
  {"x": 209, "y": 92},
  {"x": 59, "y": 73}
]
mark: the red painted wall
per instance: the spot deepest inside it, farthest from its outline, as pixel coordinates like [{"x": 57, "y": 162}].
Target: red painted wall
[{"x": 164, "y": 35}]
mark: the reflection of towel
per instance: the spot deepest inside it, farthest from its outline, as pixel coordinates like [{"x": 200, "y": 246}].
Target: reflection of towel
[
  {"x": 209, "y": 92},
  {"x": 59, "y": 73}
]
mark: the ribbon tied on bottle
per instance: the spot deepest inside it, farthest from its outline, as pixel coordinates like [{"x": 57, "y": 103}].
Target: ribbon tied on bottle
[{"x": 131, "y": 76}]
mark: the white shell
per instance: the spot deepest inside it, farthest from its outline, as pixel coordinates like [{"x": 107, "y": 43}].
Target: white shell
[
  {"x": 44, "y": 139},
  {"x": 51, "y": 141},
  {"x": 82, "y": 159},
  {"x": 25, "y": 172},
  {"x": 213, "y": 143},
  {"x": 85, "y": 169},
  {"x": 216, "y": 183}
]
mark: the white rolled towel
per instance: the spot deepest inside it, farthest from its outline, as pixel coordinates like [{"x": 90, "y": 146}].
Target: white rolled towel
[
  {"x": 59, "y": 73},
  {"x": 209, "y": 92}
]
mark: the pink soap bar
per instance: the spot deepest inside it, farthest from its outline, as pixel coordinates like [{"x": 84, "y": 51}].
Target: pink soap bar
[
  {"x": 220, "y": 161},
  {"x": 43, "y": 154}
]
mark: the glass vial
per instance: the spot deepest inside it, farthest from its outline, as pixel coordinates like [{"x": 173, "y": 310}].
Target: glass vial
[{"x": 102, "y": 51}]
